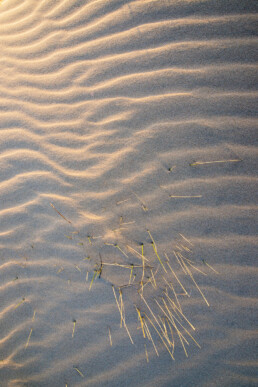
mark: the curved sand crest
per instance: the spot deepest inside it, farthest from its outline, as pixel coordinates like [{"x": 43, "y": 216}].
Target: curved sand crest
[{"x": 104, "y": 107}]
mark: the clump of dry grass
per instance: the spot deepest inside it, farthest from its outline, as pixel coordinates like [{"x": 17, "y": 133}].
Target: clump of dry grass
[{"x": 160, "y": 282}]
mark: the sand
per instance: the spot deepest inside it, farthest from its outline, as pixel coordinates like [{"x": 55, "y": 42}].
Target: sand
[{"x": 119, "y": 117}]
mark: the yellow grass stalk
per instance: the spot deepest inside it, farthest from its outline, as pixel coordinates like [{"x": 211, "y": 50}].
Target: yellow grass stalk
[
  {"x": 175, "y": 254},
  {"x": 136, "y": 252},
  {"x": 213, "y": 162},
  {"x": 190, "y": 263},
  {"x": 186, "y": 248},
  {"x": 171, "y": 332},
  {"x": 148, "y": 231},
  {"x": 171, "y": 317},
  {"x": 131, "y": 274},
  {"x": 121, "y": 307},
  {"x": 77, "y": 267},
  {"x": 185, "y": 196},
  {"x": 215, "y": 271},
  {"x": 180, "y": 335},
  {"x": 180, "y": 338},
  {"x": 110, "y": 338},
  {"x": 130, "y": 337},
  {"x": 149, "y": 335},
  {"x": 151, "y": 311},
  {"x": 116, "y": 246},
  {"x": 143, "y": 285},
  {"x": 142, "y": 274},
  {"x": 160, "y": 337},
  {"x": 187, "y": 240},
  {"x": 175, "y": 308},
  {"x": 156, "y": 252},
  {"x": 79, "y": 372},
  {"x": 21, "y": 302},
  {"x": 173, "y": 290},
  {"x": 121, "y": 250},
  {"x": 183, "y": 257},
  {"x": 172, "y": 271},
  {"x": 164, "y": 331},
  {"x": 28, "y": 339},
  {"x": 141, "y": 321},
  {"x": 94, "y": 275},
  {"x": 190, "y": 274},
  {"x": 74, "y": 322},
  {"x": 153, "y": 278},
  {"x": 34, "y": 314}
]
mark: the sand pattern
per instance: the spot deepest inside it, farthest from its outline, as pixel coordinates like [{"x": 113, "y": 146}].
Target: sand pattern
[{"x": 126, "y": 125}]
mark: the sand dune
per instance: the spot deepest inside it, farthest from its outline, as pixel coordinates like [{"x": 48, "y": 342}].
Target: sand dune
[{"x": 122, "y": 123}]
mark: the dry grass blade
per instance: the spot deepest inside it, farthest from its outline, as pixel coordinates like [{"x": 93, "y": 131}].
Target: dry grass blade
[
  {"x": 147, "y": 357},
  {"x": 59, "y": 213},
  {"x": 28, "y": 338},
  {"x": 173, "y": 305},
  {"x": 215, "y": 271},
  {"x": 149, "y": 336},
  {"x": 187, "y": 240},
  {"x": 180, "y": 338},
  {"x": 171, "y": 318},
  {"x": 151, "y": 311},
  {"x": 172, "y": 271},
  {"x": 173, "y": 290},
  {"x": 160, "y": 337},
  {"x": 190, "y": 274},
  {"x": 141, "y": 321},
  {"x": 94, "y": 275},
  {"x": 79, "y": 372},
  {"x": 74, "y": 322},
  {"x": 131, "y": 273},
  {"x": 215, "y": 161},
  {"x": 186, "y": 248},
  {"x": 110, "y": 338},
  {"x": 144, "y": 207},
  {"x": 185, "y": 196},
  {"x": 141, "y": 256},
  {"x": 156, "y": 252},
  {"x": 19, "y": 303},
  {"x": 121, "y": 307},
  {"x": 178, "y": 260},
  {"x": 130, "y": 337},
  {"x": 117, "y": 247}
]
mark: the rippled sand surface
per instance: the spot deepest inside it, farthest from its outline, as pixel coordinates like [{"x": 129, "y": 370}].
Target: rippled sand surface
[{"x": 125, "y": 122}]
